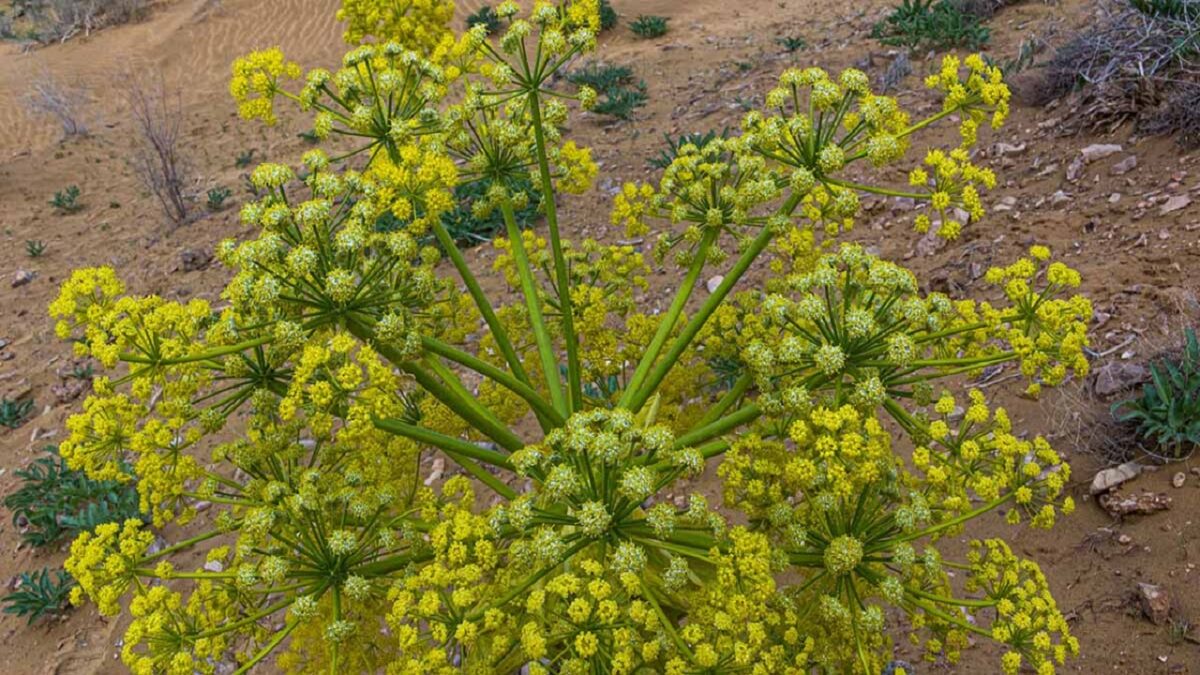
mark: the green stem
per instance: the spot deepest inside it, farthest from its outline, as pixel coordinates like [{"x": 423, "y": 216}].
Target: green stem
[
  {"x": 443, "y": 442},
  {"x": 562, "y": 275},
  {"x": 533, "y": 302},
  {"x": 268, "y": 648},
  {"x": 684, "y": 339},
  {"x": 481, "y": 301},
  {"x": 667, "y": 324},
  {"x": 737, "y": 418},
  {"x": 735, "y": 392},
  {"x": 547, "y": 414}
]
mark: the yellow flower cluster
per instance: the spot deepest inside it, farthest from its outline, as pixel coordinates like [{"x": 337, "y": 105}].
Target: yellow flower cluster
[
  {"x": 419, "y": 24},
  {"x": 982, "y": 91},
  {"x": 105, "y": 561},
  {"x": 255, "y": 83},
  {"x": 1027, "y": 616}
]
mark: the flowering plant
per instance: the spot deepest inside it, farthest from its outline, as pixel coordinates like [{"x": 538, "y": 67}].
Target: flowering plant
[{"x": 574, "y": 540}]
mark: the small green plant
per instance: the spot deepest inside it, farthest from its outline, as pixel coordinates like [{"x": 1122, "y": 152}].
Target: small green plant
[
  {"x": 487, "y": 17},
  {"x": 791, "y": 43},
  {"x": 244, "y": 158},
  {"x": 622, "y": 93},
  {"x": 931, "y": 24},
  {"x": 217, "y": 197},
  {"x": 40, "y": 594},
  {"x": 34, "y": 248},
  {"x": 608, "y": 15},
  {"x": 56, "y": 502},
  {"x": 13, "y": 413},
  {"x": 1172, "y": 9},
  {"x": 649, "y": 26},
  {"x": 309, "y": 137},
  {"x": 1168, "y": 411},
  {"x": 67, "y": 200},
  {"x": 82, "y": 372},
  {"x": 700, "y": 140}
]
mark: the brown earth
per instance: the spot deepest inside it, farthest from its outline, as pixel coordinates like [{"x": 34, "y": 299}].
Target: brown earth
[{"x": 1139, "y": 264}]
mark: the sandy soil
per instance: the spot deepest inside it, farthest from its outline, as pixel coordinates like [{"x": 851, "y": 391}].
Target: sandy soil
[{"x": 1139, "y": 263}]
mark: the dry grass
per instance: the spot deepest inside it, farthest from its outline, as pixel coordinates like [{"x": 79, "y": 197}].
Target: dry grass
[
  {"x": 1127, "y": 66},
  {"x": 50, "y": 97}
]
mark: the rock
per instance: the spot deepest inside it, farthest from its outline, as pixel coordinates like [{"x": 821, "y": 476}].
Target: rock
[
  {"x": 1125, "y": 166},
  {"x": 930, "y": 243},
  {"x": 1003, "y": 149},
  {"x": 22, "y": 277},
  {"x": 1179, "y": 479},
  {"x": 1118, "y": 505},
  {"x": 1116, "y": 376},
  {"x": 68, "y": 390},
  {"x": 1124, "y": 539},
  {"x": 214, "y": 566},
  {"x": 1074, "y": 169},
  {"x": 1097, "y": 152},
  {"x": 714, "y": 283},
  {"x": 1155, "y": 603},
  {"x": 1174, "y": 204},
  {"x": 1059, "y": 198},
  {"x": 1007, "y": 203},
  {"x": 436, "y": 471},
  {"x": 191, "y": 259},
  {"x": 1108, "y": 479},
  {"x": 1114, "y": 198}
]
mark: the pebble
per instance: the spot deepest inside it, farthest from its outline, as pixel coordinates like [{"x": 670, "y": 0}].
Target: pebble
[
  {"x": 1125, "y": 166},
  {"x": 1156, "y": 604},
  {"x": 1174, "y": 204},
  {"x": 1098, "y": 151},
  {"x": 1179, "y": 479},
  {"x": 1059, "y": 198},
  {"x": 1110, "y": 478},
  {"x": 21, "y": 278},
  {"x": 714, "y": 283}
]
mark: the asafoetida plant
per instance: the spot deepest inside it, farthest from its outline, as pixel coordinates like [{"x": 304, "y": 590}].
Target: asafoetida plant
[{"x": 572, "y": 540}]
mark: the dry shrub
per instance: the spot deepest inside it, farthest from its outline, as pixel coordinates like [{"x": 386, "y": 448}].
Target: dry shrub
[
  {"x": 157, "y": 112},
  {"x": 1127, "y": 64},
  {"x": 50, "y": 97},
  {"x": 60, "y": 20},
  {"x": 1179, "y": 115}
]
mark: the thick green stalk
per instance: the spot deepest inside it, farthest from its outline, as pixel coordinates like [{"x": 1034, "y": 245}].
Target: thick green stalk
[
  {"x": 684, "y": 339},
  {"x": 671, "y": 317},
  {"x": 482, "y": 475},
  {"x": 444, "y": 442},
  {"x": 562, "y": 275},
  {"x": 731, "y": 397},
  {"x": 481, "y": 301},
  {"x": 479, "y": 417},
  {"x": 547, "y": 414},
  {"x": 533, "y": 301},
  {"x": 737, "y": 418}
]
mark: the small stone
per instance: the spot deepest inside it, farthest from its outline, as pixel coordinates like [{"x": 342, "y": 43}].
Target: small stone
[
  {"x": 191, "y": 259},
  {"x": 1059, "y": 198},
  {"x": 1155, "y": 602},
  {"x": 714, "y": 283},
  {"x": 214, "y": 566},
  {"x": 1099, "y": 151},
  {"x": 1174, "y": 204},
  {"x": 1074, "y": 169},
  {"x": 1179, "y": 479},
  {"x": 1118, "y": 505},
  {"x": 1115, "y": 377},
  {"x": 436, "y": 471},
  {"x": 1125, "y": 166},
  {"x": 1003, "y": 149},
  {"x": 21, "y": 278},
  {"x": 1108, "y": 479},
  {"x": 1124, "y": 539}
]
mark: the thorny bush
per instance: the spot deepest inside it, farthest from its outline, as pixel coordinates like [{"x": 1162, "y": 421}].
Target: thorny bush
[{"x": 573, "y": 539}]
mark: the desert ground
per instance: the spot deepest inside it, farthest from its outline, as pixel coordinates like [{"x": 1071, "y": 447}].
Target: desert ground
[{"x": 1133, "y": 232}]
